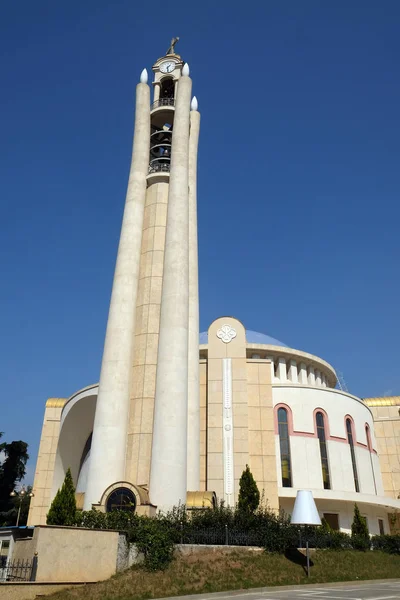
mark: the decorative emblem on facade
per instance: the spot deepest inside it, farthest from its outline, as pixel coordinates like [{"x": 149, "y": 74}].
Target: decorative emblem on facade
[{"x": 226, "y": 333}]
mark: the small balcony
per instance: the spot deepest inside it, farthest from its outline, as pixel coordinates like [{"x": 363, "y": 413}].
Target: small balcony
[
  {"x": 158, "y": 166},
  {"x": 163, "y": 102}
]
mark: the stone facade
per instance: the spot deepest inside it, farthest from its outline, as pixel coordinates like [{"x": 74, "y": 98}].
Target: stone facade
[{"x": 386, "y": 413}]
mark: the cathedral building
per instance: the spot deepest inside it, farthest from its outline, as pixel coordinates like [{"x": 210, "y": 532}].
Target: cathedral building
[{"x": 175, "y": 419}]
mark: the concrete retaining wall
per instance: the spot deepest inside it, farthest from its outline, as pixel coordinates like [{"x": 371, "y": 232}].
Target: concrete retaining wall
[{"x": 70, "y": 553}]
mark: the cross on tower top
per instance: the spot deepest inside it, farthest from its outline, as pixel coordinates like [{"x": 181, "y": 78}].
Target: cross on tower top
[{"x": 171, "y": 49}]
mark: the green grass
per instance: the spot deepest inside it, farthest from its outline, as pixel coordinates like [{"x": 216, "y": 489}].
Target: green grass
[{"x": 215, "y": 572}]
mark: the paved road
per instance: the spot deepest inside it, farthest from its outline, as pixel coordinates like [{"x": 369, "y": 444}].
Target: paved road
[{"x": 389, "y": 590}]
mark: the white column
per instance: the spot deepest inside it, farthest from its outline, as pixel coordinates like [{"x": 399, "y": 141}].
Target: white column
[
  {"x": 303, "y": 374},
  {"x": 273, "y": 378},
  {"x": 293, "y": 372},
  {"x": 108, "y": 451},
  {"x": 318, "y": 380},
  {"x": 323, "y": 378},
  {"x": 193, "y": 438},
  {"x": 168, "y": 475},
  {"x": 282, "y": 376},
  {"x": 157, "y": 87},
  {"x": 311, "y": 376}
]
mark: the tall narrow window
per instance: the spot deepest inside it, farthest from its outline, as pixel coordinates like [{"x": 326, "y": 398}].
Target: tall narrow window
[
  {"x": 353, "y": 456},
  {"x": 284, "y": 443},
  {"x": 369, "y": 444},
  {"x": 323, "y": 450}
]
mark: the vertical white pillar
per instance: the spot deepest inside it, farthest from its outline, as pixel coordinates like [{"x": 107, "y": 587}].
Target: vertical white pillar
[
  {"x": 311, "y": 376},
  {"x": 168, "y": 474},
  {"x": 273, "y": 378},
  {"x": 193, "y": 438},
  {"x": 282, "y": 370},
  {"x": 108, "y": 451},
  {"x": 157, "y": 88},
  {"x": 293, "y": 372},
  {"x": 318, "y": 380},
  {"x": 303, "y": 374},
  {"x": 323, "y": 378}
]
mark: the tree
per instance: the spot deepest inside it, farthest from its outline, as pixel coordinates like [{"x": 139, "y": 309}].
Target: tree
[
  {"x": 12, "y": 471},
  {"x": 359, "y": 531},
  {"x": 63, "y": 508},
  {"x": 17, "y": 502},
  {"x": 249, "y": 496}
]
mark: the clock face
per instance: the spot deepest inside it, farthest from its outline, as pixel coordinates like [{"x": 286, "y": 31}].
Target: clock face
[{"x": 167, "y": 67}]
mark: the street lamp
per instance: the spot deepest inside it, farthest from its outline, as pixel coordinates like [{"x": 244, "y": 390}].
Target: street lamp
[
  {"x": 305, "y": 513},
  {"x": 21, "y": 495}
]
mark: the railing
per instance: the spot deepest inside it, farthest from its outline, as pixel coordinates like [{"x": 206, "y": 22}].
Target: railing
[
  {"x": 18, "y": 570},
  {"x": 163, "y": 102},
  {"x": 227, "y": 536},
  {"x": 157, "y": 167}
]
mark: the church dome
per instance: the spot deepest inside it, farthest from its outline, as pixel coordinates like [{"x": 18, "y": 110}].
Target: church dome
[{"x": 252, "y": 337}]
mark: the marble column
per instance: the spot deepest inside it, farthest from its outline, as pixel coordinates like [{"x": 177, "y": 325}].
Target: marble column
[
  {"x": 193, "y": 438},
  {"x": 168, "y": 476},
  {"x": 282, "y": 374},
  {"x": 108, "y": 451},
  {"x": 303, "y": 374},
  {"x": 293, "y": 371}
]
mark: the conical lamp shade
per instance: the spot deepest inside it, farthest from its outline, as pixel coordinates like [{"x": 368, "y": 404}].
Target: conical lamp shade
[{"x": 304, "y": 511}]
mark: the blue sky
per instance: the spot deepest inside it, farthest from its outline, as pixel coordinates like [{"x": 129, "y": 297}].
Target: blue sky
[{"x": 298, "y": 180}]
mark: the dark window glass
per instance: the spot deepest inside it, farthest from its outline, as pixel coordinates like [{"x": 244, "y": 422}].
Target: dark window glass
[
  {"x": 369, "y": 444},
  {"x": 323, "y": 450},
  {"x": 284, "y": 443},
  {"x": 333, "y": 520},
  {"x": 353, "y": 456},
  {"x": 381, "y": 526},
  {"x": 121, "y": 499}
]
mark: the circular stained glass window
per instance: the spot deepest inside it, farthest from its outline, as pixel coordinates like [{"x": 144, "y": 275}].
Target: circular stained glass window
[{"x": 121, "y": 499}]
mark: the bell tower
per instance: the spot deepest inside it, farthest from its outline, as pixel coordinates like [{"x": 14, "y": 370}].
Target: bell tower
[{"x": 147, "y": 429}]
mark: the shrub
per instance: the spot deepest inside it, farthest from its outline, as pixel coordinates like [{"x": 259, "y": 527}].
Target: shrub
[
  {"x": 249, "y": 496},
  {"x": 155, "y": 541},
  {"x": 63, "y": 508},
  {"x": 386, "y": 543},
  {"x": 359, "y": 531}
]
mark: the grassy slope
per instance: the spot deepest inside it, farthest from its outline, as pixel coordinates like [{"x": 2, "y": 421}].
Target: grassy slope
[{"x": 216, "y": 572}]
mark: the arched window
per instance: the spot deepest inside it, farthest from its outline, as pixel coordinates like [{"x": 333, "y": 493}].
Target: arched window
[
  {"x": 370, "y": 448},
  {"x": 167, "y": 88},
  {"x": 368, "y": 436},
  {"x": 349, "y": 430},
  {"x": 323, "y": 450},
  {"x": 284, "y": 443},
  {"x": 121, "y": 499}
]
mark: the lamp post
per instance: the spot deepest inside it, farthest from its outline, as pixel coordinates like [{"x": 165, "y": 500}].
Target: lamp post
[
  {"x": 305, "y": 513},
  {"x": 21, "y": 495}
]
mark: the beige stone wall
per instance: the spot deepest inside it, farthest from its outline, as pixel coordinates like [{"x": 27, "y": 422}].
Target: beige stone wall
[
  {"x": 262, "y": 458},
  {"x": 387, "y": 433},
  {"x": 203, "y": 425},
  {"x": 43, "y": 480},
  {"x": 147, "y": 333},
  {"x": 71, "y": 554}
]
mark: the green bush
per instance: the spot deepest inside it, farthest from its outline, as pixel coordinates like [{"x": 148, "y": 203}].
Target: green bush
[
  {"x": 360, "y": 539},
  {"x": 155, "y": 541},
  {"x": 249, "y": 496},
  {"x": 386, "y": 543},
  {"x": 63, "y": 508}
]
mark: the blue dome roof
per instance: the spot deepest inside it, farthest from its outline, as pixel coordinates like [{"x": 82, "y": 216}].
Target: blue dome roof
[{"x": 252, "y": 337}]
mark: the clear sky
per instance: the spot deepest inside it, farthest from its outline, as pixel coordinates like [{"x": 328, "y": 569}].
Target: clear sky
[{"x": 298, "y": 180}]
